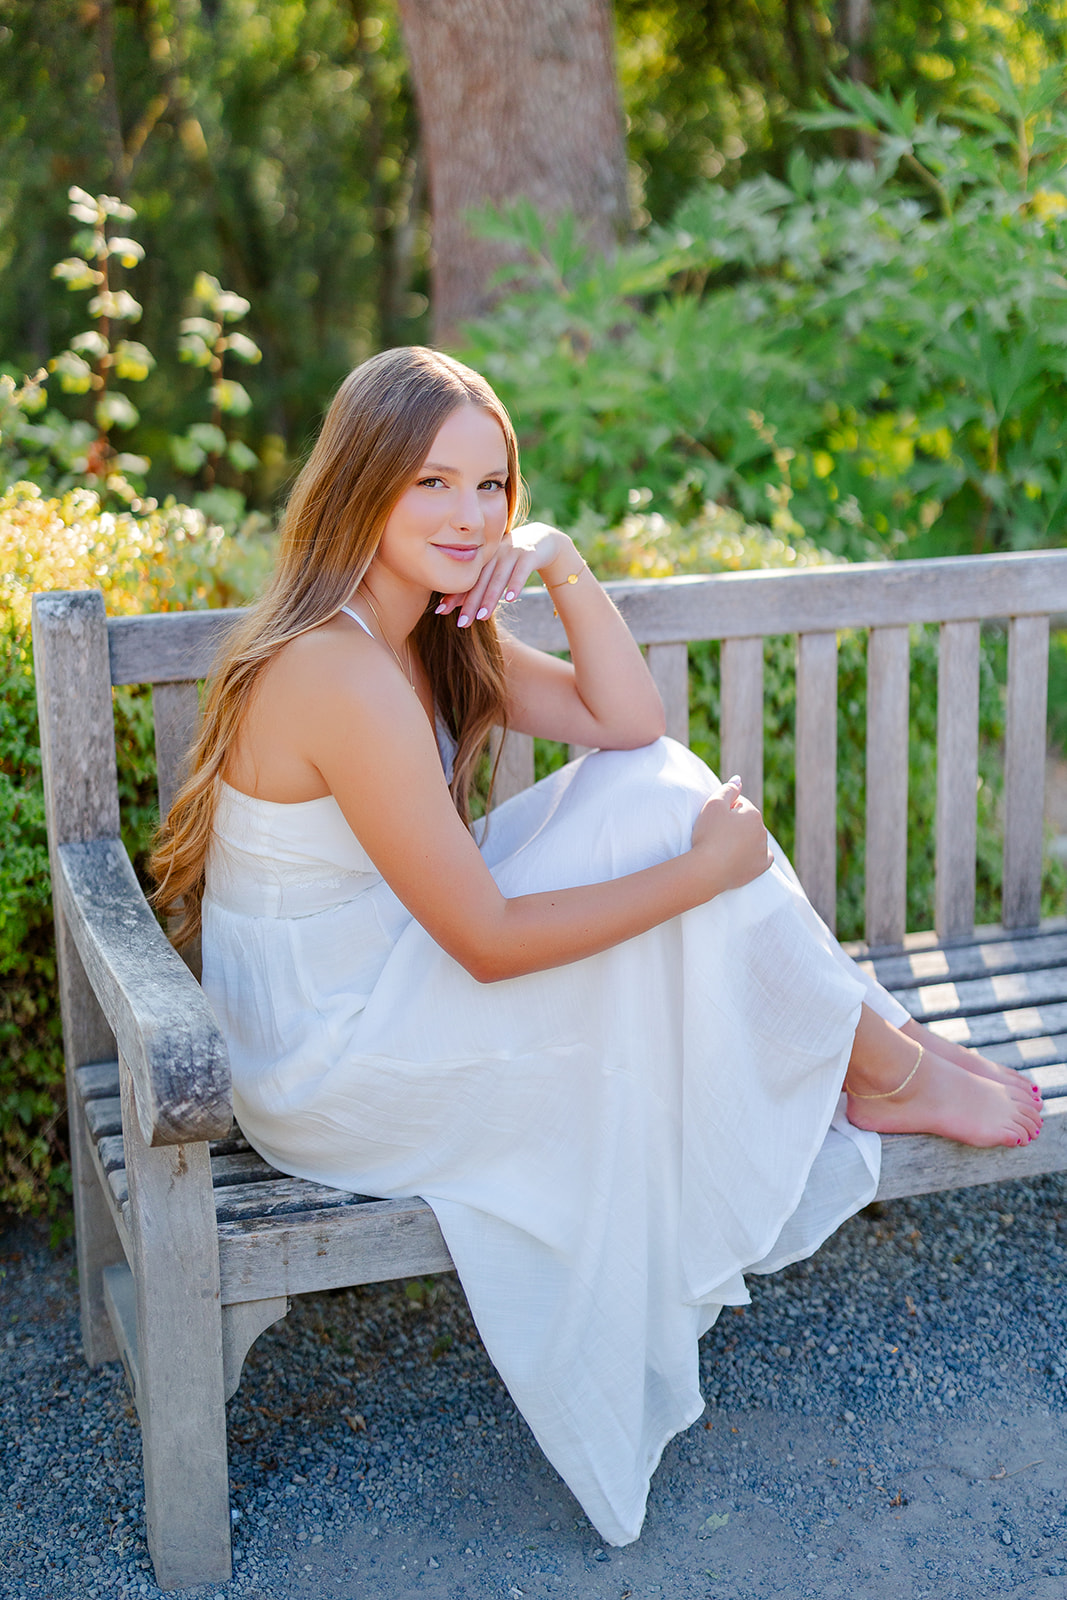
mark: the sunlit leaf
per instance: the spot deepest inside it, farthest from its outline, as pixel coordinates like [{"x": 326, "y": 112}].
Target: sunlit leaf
[
  {"x": 231, "y": 397},
  {"x": 244, "y": 348},
  {"x": 133, "y": 360},
  {"x": 128, "y": 251},
  {"x": 114, "y": 410}
]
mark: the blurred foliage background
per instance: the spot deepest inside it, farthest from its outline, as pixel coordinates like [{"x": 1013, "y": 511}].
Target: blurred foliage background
[
  {"x": 838, "y": 330},
  {"x": 274, "y": 145}
]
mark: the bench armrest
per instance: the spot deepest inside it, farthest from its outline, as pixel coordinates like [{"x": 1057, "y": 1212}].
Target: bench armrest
[{"x": 166, "y": 1030}]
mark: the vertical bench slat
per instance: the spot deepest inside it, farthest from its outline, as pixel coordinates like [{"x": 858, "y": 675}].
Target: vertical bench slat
[
  {"x": 515, "y": 770},
  {"x": 742, "y": 714},
  {"x": 816, "y": 771},
  {"x": 82, "y": 802},
  {"x": 957, "y": 777},
  {"x": 887, "y": 785},
  {"x": 669, "y": 666},
  {"x": 1024, "y": 770},
  {"x": 175, "y": 711}
]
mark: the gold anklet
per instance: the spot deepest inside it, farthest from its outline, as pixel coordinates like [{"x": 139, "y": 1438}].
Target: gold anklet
[{"x": 887, "y": 1094}]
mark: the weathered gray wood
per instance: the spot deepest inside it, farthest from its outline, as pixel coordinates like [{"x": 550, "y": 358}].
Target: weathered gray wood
[
  {"x": 169, "y": 647},
  {"x": 98, "y": 1080},
  {"x": 887, "y": 785},
  {"x": 298, "y": 1254},
  {"x": 922, "y": 1164},
  {"x": 723, "y": 606},
  {"x": 175, "y": 711},
  {"x": 242, "y": 1324},
  {"x": 816, "y": 771},
  {"x": 104, "y": 1117},
  {"x": 957, "y": 777},
  {"x": 165, "y": 1027},
  {"x": 987, "y": 1028},
  {"x": 1024, "y": 770},
  {"x": 179, "y": 1393},
  {"x": 515, "y": 769},
  {"x": 971, "y": 996},
  {"x": 741, "y": 701},
  {"x": 81, "y": 802},
  {"x": 669, "y": 667},
  {"x": 1024, "y": 953},
  {"x": 1042, "y": 1059},
  {"x": 120, "y": 1297}
]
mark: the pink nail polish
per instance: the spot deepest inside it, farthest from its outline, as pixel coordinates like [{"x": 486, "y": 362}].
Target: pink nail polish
[
  {"x": 439, "y": 610},
  {"x": 463, "y": 621},
  {"x": 482, "y": 614},
  {"x": 510, "y": 595}
]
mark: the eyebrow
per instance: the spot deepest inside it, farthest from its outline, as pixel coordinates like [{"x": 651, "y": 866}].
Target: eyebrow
[{"x": 437, "y": 466}]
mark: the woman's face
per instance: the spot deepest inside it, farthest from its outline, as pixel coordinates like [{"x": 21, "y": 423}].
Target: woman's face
[{"x": 449, "y": 521}]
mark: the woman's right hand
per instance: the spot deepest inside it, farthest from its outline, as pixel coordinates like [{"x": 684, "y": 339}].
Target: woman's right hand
[{"x": 730, "y": 841}]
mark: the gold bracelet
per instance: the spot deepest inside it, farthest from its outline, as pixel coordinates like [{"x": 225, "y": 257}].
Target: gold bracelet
[{"x": 570, "y": 578}]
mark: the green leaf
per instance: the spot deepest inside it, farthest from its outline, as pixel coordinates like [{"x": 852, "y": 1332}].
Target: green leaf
[
  {"x": 90, "y": 343},
  {"x": 187, "y": 455},
  {"x": 241, "y": 458},
  {"x": 133, "y": 361},
  {"x": 114, "y": 410},
  {"x": 231, "y": 397},
  {"x": 128, "y": 251},
  {"x": 116, "y": 304},
  {"x": 244, "y": 348},
  {"x": 74, "y": 372},
  {"x": 210, "y": 438},
  {"x": 77, "y": 274}
]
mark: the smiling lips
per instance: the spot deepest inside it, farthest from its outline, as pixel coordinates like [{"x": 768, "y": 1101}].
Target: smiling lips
[{"x": 459, "y": 552}]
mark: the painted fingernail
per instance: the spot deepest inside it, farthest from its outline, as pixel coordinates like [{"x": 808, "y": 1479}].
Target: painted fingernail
[
  {"x": 510, "y": 595},
  {"x": 482, "y": 614},
  {"x": 439, "y": 610},
  {"x": 463, "y": 621}
]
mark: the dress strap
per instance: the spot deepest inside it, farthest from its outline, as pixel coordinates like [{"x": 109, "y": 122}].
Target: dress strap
[{"x": 356, "y": 618}]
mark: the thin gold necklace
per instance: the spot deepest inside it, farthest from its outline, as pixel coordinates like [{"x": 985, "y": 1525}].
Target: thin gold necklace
[{"x": 407, "y": 648}]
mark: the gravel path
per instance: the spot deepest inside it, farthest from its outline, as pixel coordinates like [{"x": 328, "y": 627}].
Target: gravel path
[{"x": 884, "y": 1421}]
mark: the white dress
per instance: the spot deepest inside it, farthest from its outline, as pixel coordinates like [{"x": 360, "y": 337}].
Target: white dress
[{"x": 608, "y": 1146}]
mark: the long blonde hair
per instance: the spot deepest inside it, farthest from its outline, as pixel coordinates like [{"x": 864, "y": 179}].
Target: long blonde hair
[{"x": 376, "y": 435}]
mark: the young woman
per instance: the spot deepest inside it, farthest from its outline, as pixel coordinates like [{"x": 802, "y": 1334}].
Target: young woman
[{"x": 606, "y": 1036}]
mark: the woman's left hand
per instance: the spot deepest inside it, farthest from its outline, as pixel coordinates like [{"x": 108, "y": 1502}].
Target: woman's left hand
[{"x": 526, "y": 550}]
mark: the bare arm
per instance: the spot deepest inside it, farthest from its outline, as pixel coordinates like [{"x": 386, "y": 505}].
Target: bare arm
[
  {"x": 604, "y": 696},
  {"x": 355, "y": 720}
]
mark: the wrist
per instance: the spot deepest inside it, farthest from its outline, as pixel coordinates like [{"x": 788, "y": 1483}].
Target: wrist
[{"x": 562, "y": 562}]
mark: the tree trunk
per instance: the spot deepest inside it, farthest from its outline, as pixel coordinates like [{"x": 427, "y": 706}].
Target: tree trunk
[{"x": 516, "y": 98}]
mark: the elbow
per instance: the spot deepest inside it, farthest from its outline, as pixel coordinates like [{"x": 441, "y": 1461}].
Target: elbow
[
  {"x": 646, "y": 729},
  {"x": 489, "y": 967}
]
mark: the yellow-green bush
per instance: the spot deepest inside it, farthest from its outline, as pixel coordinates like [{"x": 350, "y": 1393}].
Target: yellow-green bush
[{"x": 145, "y": 559}]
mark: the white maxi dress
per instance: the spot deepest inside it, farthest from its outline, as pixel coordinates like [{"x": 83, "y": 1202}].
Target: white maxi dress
[{"x": 607, "y": 1146}]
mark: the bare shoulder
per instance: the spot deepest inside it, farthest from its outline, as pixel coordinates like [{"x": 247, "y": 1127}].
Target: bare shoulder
[{"x": 326, "y": 687}]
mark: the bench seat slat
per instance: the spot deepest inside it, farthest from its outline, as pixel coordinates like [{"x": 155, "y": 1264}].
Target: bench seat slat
[
  {"x": 958, "y": 962},
  {"x": 1000, "y": 1027},
  {"x": 973, "y": 996}
]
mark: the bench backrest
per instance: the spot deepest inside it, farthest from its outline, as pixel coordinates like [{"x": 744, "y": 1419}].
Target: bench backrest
[{"x": 173, "y": 651}]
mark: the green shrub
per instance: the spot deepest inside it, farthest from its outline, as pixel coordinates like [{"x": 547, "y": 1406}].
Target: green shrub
[
  {"x": 149, "y": 559},
  {"x": 875, "y": 360}
]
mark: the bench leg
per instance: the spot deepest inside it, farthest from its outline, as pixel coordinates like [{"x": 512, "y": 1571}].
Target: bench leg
[
  {"x": 179, "y": 1356},
  {"x": 97, "y": 1241}
]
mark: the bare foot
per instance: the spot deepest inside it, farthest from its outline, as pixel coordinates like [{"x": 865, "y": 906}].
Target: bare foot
[
  {"x": 961, "y": 1055},
  {"x": 948, "y": 1099}
]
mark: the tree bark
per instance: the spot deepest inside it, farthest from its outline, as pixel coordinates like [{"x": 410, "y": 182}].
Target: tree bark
[{"x": 516, "y": 98}]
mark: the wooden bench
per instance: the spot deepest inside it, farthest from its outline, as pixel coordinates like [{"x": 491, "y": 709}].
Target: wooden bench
[{"x": 189, "y": 1245}]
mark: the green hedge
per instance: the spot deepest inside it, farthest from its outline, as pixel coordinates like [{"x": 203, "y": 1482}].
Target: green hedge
[{"x": 143, "y": 559}]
